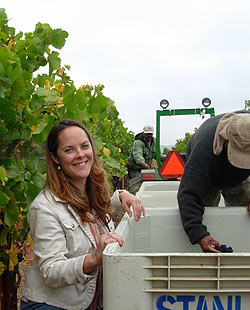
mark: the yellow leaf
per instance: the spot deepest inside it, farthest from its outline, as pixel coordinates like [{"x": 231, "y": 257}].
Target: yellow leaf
[
  {"x": 11, "y": 42},
  {"x": 29, "y": 241},
  {"x": 1, "y": 222},
  {"x": 60, "y": 105},
  {"x": 59, "y": 102},
  {"x": 1, "y": 268},
  {"x": 13, "y": 260},
  {"x": 61, "y": 71},
  {"x": 106, "y": 152},
  {"x": 47, "y": 85},
  {"x": 67, "y": 66},
  {"x": 18, "y": 149},
  {"x": 47, "y": 50},
  {"x": 59, "y": 87}
]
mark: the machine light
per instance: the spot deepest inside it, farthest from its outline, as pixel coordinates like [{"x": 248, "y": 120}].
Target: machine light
[
  {"x": 206, "y": 102},
  {"x": 164, "y": 104}
]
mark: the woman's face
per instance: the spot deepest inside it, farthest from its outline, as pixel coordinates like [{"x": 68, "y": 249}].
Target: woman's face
[{"x": 74, "y": 155}]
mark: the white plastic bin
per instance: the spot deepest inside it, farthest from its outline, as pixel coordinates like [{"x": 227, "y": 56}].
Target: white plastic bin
[
  {"x": 160, "y": 186},
  {"x": 158, "y": 268},
  {"x": 159, "y": 194}
]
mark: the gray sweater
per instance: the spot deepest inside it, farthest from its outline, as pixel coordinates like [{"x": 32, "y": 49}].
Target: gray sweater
[{"x": 203, "y": 172}]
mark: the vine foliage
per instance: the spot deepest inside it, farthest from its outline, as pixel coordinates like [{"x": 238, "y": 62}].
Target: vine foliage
[
  {"x": 31, "y": 102},
  {"x": 247, "y": 105}
]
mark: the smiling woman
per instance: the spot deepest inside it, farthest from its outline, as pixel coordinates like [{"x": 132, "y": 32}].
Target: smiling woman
[{"x": 70, "y": 223}]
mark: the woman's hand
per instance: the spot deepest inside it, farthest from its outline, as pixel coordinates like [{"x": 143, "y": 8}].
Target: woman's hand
[
  {"x": 95, "y": 259},
  {"x": 129, "y": 200},
  {"x": 207, "y": 244}
]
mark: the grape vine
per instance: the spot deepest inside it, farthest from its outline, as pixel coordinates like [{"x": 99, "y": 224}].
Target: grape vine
[{"x": 30, "y": 104}]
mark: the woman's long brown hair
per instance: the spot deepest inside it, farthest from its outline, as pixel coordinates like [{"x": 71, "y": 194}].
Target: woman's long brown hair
[{"x": 97, "y": 188}]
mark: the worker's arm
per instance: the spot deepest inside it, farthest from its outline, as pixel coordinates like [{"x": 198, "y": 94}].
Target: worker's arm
[
  {"x": 194, "y": 187},
  {"x": 138, "y": 154},
  {"x": 191, "y": 206}
]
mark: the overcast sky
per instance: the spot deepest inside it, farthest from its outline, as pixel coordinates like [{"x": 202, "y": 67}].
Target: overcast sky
[{"x": 145, "y": 51}]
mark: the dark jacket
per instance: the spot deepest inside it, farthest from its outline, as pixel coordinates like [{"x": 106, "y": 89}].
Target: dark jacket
[{"x": 204, "y": 172}]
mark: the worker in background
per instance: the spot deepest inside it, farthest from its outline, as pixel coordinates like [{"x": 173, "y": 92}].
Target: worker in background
[
  {"x": 142, "y": 156},
  {"x": 218, "y": 161}
]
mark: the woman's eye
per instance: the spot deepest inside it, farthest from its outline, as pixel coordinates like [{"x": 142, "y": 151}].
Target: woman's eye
[
  {"x": 67, "y": 150},
  {"x": 85, "y": 146}
]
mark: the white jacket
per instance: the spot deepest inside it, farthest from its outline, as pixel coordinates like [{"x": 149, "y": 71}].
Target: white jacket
[{"x": 61, "y": 243}]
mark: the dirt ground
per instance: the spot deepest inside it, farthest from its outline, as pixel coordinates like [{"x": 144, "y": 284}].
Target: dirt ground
[{"x": 28, "y": 259}]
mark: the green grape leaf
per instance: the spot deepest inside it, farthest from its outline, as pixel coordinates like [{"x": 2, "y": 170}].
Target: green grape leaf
[
  {"x": 35, "y": 103},
  {"x": 41, "y": 92},
  {"x": 39, "y": 180},
  {"x": 98, "y": 105},
  {"x": 13, "y": 171},
  {"x": 112, "y": 163},
  {"x": 31, "y": 191},
  {"x": 3, "y": 239},
  {"x": 81, "y": 99},
  {"x": 5, "y": 86},
  {"x": 54, "y": 62},
  {"x": 3, "y": 177},
  {"x": 20, "y": 44},
  {"x": 8, "y": 113},
  {"x": 26, "y": 133},
  {"x": 58, "y": 37},
  {"x": 18, "y": 87},
  {"x": 3, "y": 198},
  {"x": 3, "y": 17},
  {"x": 11, "y": 214},
  {"x": 13, "y": 134},
  {"x": 40, "y": 127},
  {"x": 39, "y": 45},
  {"x": 18, "y": 190},
  {"x": 69, "y": 101},
  {"x": 113, "y": 113},
  {"x": 3, "y": 36}
]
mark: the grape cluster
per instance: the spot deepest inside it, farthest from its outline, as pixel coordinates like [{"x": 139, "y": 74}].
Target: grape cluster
[
  {"x": 224, "y": 249},
  {"x": 20, "y": 257}
]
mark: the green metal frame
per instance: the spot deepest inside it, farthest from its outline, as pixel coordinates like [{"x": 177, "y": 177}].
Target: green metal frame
[{"x": 159, "y": 113}]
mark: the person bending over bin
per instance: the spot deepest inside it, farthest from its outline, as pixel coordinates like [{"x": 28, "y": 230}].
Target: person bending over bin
[
  {"x": 218, "y": 161},
  {"x": 70, "y": 224}
]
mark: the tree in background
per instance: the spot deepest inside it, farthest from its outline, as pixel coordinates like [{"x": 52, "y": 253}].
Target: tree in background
[
  {"x": 247, "y": 105},
  {"x": 31, "y": 103},
  {"x": 181, "y": 144},
  {"x": 166, "y": 150}
]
